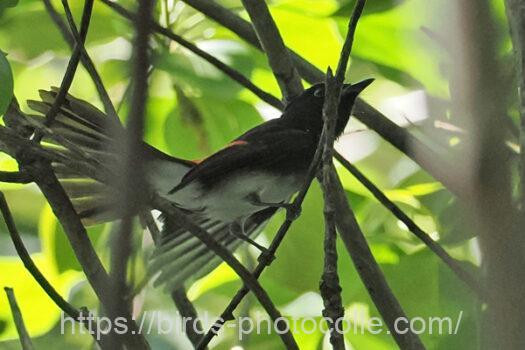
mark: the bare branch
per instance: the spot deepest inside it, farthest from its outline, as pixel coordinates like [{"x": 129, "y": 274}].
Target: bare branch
[
  {"x": 330, "y": 288},
  {"x": 61, "y": 205},
  {"x": 15, "y": 177},
  {"x": 71, "y": 69},
  {"x": 25, "y": 340},
  {"x": 272, "y": 43}
]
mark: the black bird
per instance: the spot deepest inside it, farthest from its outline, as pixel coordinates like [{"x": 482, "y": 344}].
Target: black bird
[{"x": 231, "y": 194}]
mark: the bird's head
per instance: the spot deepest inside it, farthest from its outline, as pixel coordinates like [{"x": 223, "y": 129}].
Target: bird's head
[{"x": 306, "y": 110}]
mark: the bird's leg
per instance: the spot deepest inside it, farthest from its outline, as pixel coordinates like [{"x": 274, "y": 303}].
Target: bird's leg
[
  {"x": 292, "y": 210},
  {"x": 237, "y": 230}
]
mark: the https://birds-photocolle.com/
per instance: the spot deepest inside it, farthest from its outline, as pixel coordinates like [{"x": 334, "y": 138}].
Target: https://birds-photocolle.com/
[{"x": 231, "y": 194}]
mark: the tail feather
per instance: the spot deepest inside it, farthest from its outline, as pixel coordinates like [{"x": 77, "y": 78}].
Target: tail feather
[
  {"x": 92, "y": 132},
  {"x": 182, "y": 258}
]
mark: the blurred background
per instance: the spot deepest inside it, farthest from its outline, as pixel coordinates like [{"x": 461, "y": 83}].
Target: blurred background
[{"x": 194, "y": 110}]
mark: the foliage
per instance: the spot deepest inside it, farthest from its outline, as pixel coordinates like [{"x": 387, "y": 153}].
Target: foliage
[{"x": 195, "y": 110}]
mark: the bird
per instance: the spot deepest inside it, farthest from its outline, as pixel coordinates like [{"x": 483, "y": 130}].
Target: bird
[{"x": 231, "y": 194}]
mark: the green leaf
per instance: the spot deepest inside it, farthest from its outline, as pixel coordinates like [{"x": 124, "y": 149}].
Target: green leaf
[
  {"x": 6, "y": 83},
  {"x": 40, "y": 312}
]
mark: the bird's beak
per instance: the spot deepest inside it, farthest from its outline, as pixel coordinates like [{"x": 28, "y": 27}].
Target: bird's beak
[{"x": 356, "y": 88}]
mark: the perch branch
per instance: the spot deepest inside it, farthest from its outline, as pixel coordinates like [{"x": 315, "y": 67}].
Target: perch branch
[
  {"x": 25, "y": 340},
  {"x": 329, "y": 286},
  {"x": 18, "y": 177},
  {"x": 273, "y": 45},
  {"x": 191, "y": 322}
]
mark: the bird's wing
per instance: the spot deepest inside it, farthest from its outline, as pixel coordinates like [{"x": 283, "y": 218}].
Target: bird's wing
[
  {"x": 276, "y": 150},
  {"x": 91, "y": 131},
  {"x": 181, "y": 258}
]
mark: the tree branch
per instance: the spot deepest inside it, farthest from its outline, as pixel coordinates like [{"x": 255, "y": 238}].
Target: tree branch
[
  {"x": 61, "y": 205},
  {"x": 18, "y": 177},
  {"x": 368, "y": 269},
  {"x": 272, "y": 43},
  {"x": 472, "y": 282},
  {"x": 72, "y": 38},
  {"x": 330, "y": 288},
  {"x": 191, "y": 322},
  {"x": 71, "y": 69},
  {"x": 25, "y": 340}
]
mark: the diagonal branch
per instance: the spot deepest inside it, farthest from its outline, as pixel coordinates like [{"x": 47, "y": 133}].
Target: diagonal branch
[
  {"x": 71, "y": 69},
  {"x": 368, "y": 269},
  {"x": 516, "y": 16},
  {"x": 452, "y": 263},
  {"x": 25, "y": 340},
  {"x": 272, "y": 43},
  {"x": 72, "y": 38}
]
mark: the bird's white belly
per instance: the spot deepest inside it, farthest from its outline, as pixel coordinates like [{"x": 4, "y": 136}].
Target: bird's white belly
[{"x": 229, "y": 201}]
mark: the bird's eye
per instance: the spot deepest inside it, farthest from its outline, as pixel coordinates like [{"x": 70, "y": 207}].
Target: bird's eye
[{"x": 319, "y": 92}]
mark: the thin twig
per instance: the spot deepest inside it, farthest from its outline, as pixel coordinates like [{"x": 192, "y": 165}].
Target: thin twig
[
  {"x": 273, "y": 46},
  {"x": 48, "y": 288},
  {"x": 25, "y": 340},
  {"x": 71, "y": 69},
  {"x": 72, "y": 37},
  {"x": 86, "y": 60},
  {"x": 18, "y": 177},
  {"x": 230, "y": 72},
  {"x": 452, "y": 263},
  {"x": 248, "y": 279}
]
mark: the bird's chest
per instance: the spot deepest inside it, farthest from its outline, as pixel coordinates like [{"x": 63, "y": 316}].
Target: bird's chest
[{"x": 233, "y": 197}]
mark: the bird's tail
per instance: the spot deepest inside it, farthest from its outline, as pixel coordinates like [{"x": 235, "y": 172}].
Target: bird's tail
[{"x": 81, "y": 131}]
